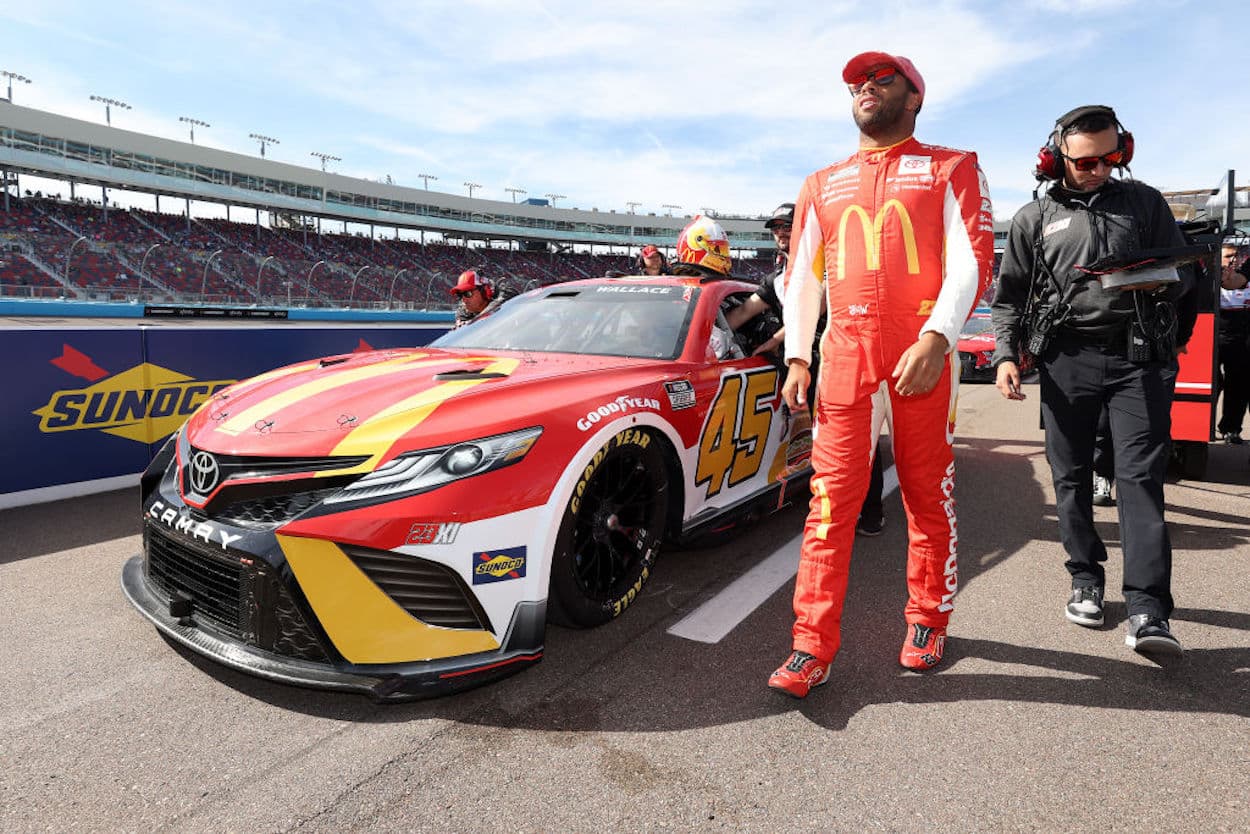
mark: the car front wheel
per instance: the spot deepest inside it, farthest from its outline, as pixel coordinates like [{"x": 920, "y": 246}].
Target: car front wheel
[{"x": 611, "y": 531}]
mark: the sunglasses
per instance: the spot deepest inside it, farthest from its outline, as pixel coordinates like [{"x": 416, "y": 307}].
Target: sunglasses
[
  {"x": 463, "y": 293},
  {"x": 1086, "y": 164},
  {"x": 883, "y": 77}
]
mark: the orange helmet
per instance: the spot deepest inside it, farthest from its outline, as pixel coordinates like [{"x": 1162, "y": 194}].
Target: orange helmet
[{"x": 704, "y": 244}]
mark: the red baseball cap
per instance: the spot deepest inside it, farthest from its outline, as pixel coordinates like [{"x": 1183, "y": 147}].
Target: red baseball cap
[
  {"x": 469, "y": 280},
  {"x": 865, "y": 61},
  {"x": 649, "y": 250}
]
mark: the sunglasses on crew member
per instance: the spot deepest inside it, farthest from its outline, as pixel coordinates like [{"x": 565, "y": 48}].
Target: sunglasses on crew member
[
  {"x": 1086, "y": 164},
  {"x": 463, "y": 293},
  {"x": 883, "y": 77}
]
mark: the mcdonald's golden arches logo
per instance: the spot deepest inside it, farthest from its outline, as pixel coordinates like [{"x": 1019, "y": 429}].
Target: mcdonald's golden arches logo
[{"x": 872, "y": 236}]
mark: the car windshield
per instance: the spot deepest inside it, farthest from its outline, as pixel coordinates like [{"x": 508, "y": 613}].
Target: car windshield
[
  {"x": 641, "y": 320},
  {"x": 976, "y": 327}
]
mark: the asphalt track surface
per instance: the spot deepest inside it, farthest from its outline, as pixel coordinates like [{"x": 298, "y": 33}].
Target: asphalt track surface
[{"x": 1031, "y": 723}]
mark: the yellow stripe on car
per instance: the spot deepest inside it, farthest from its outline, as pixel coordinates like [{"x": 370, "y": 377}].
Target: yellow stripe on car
[
  {"x": 241, "y": 422},
  {"x": 375, "y": 435},
  {"x": 365, "y": 624}
]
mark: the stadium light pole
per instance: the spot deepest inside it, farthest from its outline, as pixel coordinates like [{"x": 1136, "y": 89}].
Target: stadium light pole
[
  {"x": 352, "y": 294},
  {"x": 391, "y": 295},
  {"x": 707, "y": 212},
  {"x": 310, "y": 274},
  {"x": 143, "y": 266},
  {"x": 110, "y": 103},
  {"x": 325, "y": 157},
  {"x": 70, "y": 254},
  {"x": 12, "y": 76},
  {"x": 670, "y": 208},
  {"x": 633, "y": 206},
  {"x": 193, "y": 123},
  {"x": 426, "y": 179},
  {"x": 515, "y": 191},
  {"x": 204, "y": 280},
  {"x": 261, "y": 270},
  {"x": 553, "y": 198},
  {"x": 264, "y": 140},
  {"x": 471, "y": 186}
]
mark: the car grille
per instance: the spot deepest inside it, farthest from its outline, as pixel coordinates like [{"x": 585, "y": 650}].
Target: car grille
[
  {"x": 212, "y": 581},
  {"x": 241, "y": 601},
  {"x": 433, "y": 593},
  {"x": 271, "y": 510}
]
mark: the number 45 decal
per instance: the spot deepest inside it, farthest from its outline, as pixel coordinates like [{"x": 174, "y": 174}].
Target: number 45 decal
[{"x": 736, "y": 431}]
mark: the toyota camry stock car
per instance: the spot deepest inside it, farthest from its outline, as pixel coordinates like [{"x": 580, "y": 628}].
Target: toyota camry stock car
[
  {"x": 404, "y": 522},
  {"x": 976, "y": 350}
]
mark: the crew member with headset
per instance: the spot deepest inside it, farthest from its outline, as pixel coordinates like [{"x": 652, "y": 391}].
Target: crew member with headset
[
  {"x": 1097, "y": 346},
  {"x": 479, "y": 297}
]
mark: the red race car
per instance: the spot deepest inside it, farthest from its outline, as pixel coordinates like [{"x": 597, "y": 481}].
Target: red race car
[
  {"x": 404, "y": 522},
  {"x": 976, "y": 351}
]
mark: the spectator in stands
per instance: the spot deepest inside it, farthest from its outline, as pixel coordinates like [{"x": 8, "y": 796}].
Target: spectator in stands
[
  {"x": 479, "y": 297},
  {"x": 1234, "y": 343},
  {"x": 651, "y": 261}
]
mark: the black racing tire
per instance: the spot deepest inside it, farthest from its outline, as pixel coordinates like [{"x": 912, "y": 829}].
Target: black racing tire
[{"x": 610, "y": 532}]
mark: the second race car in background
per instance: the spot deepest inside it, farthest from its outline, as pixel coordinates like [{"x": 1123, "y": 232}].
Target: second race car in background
[{"x": 976, "y": 350}]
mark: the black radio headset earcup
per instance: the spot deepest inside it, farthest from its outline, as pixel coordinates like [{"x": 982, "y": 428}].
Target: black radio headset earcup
[{"x": 1050, "y": 158}]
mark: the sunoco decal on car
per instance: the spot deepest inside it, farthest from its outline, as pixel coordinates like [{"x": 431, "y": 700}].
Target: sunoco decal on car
[
  {"x": 620, "y": 405},
  {"x": 498, "y": 565},
  {"x": 680, "y": 394},
  {"x": 144, "y": 403}
]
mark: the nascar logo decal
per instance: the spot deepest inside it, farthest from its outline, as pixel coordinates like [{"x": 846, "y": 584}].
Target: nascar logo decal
[
  {"x": 498, "y": 565},
  {"x": 144, "y": 403}
]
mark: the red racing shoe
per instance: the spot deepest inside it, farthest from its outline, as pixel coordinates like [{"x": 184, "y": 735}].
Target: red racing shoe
[
  {"x": 922, "y": 647},
  {"x": 799, "y": 675}
]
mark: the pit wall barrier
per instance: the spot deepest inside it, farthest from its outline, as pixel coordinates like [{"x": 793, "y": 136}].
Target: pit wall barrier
[{"x": 86, "y": 407}]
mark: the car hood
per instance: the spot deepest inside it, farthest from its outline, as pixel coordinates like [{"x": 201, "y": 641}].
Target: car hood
[{"x": 374, "y": 401}]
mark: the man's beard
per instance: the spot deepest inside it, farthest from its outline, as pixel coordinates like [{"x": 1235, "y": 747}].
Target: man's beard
[{"x": 881, "y": 119}]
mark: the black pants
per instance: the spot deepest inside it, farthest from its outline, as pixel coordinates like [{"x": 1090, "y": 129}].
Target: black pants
[
  {"x": 871, "y": 508},
  {"x": 1235, "y": 368},
  {"x": 1077, "y": 380}
]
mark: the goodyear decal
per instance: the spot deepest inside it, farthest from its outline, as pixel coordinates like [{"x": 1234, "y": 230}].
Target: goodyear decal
[
  {"x": 498, "y": 565},
  {"x": 144, "y": 403}
]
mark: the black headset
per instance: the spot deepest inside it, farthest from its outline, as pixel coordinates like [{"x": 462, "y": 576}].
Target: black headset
[{"x": 1050, "y": 158}]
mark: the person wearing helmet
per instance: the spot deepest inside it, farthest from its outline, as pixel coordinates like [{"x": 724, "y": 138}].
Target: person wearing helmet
[
  {"x": 479, "y": 297},
  {"x": 898, "y": 239},
  {"x": 703, "y": 251}
]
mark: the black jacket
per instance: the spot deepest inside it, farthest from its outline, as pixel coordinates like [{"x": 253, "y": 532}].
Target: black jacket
[{"x": 1071, "y": 228}]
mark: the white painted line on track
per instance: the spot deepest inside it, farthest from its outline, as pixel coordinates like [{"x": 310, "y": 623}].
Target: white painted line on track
[{"x": 714, "y": 619}]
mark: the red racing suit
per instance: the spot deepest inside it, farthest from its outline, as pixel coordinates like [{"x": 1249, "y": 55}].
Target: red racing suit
[{"x": 901, "y": 241}]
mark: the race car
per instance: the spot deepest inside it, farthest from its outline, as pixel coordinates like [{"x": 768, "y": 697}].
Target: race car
[
  {"x": 404, "y": 523},
  {"x": 976, "y": 350}
]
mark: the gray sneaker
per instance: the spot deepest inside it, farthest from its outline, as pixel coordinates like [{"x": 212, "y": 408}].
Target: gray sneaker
[
  {"x": 1148, "y": 634},
  {"x": 1085, "y": 606},
  {"x": 1102, "y": 492}
]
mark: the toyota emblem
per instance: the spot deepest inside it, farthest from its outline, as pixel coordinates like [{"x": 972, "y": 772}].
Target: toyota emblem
[{"x": 204, "y": 473}]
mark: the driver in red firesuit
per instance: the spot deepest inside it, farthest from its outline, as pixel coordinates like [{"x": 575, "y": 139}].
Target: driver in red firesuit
[{"x": 899, "y": 239}]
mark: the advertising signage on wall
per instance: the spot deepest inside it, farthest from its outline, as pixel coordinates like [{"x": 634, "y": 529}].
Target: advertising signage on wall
[{"x": 90, "y": 406}]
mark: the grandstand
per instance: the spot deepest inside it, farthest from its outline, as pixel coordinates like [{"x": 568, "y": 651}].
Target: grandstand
[{"x": 274, "y": 245}]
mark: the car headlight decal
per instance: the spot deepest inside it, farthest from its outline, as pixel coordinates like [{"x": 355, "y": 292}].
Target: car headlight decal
[{"x": 427, "y": 469}]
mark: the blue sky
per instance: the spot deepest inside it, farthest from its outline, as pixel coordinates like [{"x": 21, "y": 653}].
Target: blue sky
[{"x": 711, "y": 105}]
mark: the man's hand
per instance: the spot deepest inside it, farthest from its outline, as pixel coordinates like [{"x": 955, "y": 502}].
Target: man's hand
[
  {"x": 772, "y": 343},
  {"x": 1008, "y": 381},
  {"x": 920, "y": 367},
  {"x": 794, "y": 389}
]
